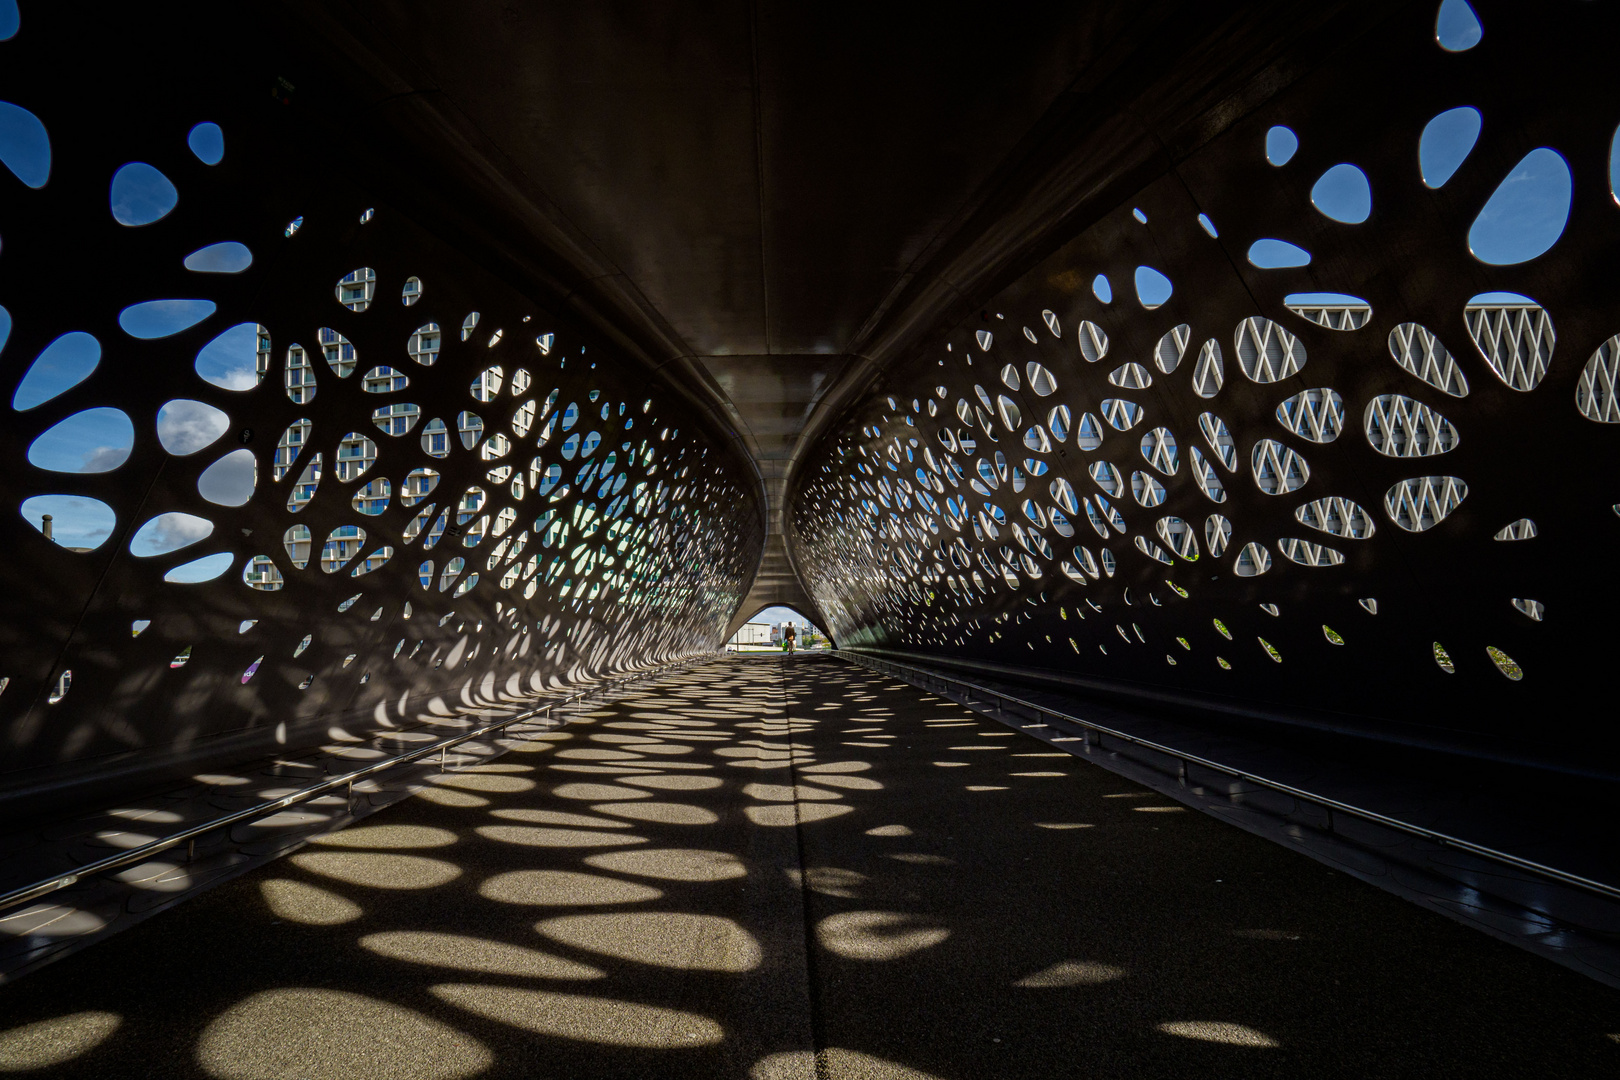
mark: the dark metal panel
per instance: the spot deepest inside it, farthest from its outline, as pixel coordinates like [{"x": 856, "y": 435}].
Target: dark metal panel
[
  {"x": 651, "y": 565},
  {"x": 1523, "y": 453}
]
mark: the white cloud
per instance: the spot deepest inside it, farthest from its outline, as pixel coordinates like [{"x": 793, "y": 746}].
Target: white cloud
[
  {"x": 230, "y": 480},
  {"x": 185, "y": 426},
  {"x": 105, "y": 458},
  {"x": 176, "y": 530}
]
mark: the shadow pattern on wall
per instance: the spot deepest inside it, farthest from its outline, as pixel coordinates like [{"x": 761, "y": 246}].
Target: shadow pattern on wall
[
  {"x": 1319, "y": 425},
  {"x": 306, "y": 458}
]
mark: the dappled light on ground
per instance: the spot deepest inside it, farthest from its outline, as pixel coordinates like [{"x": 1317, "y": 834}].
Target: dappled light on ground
[
  {"x": 464, "y": 953},
  {"x": 378, "y": 871},
  {"x": 1071, "y": 973},
  {"x": 877, "y": 935},
  {"x": 675, "y": 864},
  {"x": 676, "y": 883},
  {"x": 301, "y": 902},
  {"x": 1218, "y": 1031},
  {"x": 585, "y": 1019},
  {"x": 292, "y": 1032},
  {"x": 665, "y": 939},
  {"x": 54, "y": 1042}
]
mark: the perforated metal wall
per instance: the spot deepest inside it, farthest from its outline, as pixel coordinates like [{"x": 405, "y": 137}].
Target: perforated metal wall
[
  {"x": 1395, "y": 504},
  {"x": 307, "y": 459}
]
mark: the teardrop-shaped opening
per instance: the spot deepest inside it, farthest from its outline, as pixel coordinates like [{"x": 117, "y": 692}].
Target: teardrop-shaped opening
[
  {"x": 1526, "y": 214},
  {"x": 309, "y": 481},
  {"x": 163, "y": 318},
  {"x": 355, "y": 289},
  {"x": 232, "y": 360},
  {"x": 1152, "y": 287},
  {"x": 62, "y": 365},
  {"x": 230, "y": 480},
  {"x": 1446, "y": 142},
  {"x": 1343, "y": 194},
  {"x": 207, "y": 141},
  {"x": 206, "y": 568},
  {"x": 169, "y": 532},
  {"x": 77, "y": 523},
  {"x": 185, "y": 426},
  {"x": 1504, "y": 663},
  {"x": 92, "y": 441},
  {"x": 384, "y": 380},
  {"x": 141, "y": 194},
  {"x": 343, "y": 544},
  {"x": 339, "y": 352},
  {"x": 296, "y": 542},
  {"x": 356, "y": 454},
  {"x": 1281, "y": 143},
  {"x": 25, "y": 148},
  {"x": 1208, "y": 225},
  {"x": 1614, "y": 166},
  {"x": 1336, "y": 311},
  {"x": 10, "y": 19},
  {"x": 371, "y": 499},
  {"x": 1456, "y": 27},
  {"x": 228, "y": 257},
  {"x": 1101, "y": 289},
  {"x": 1277, "y": 255}
]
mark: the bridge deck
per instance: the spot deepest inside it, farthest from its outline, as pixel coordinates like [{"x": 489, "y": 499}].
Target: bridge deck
[{"x": 760, "y": 861}]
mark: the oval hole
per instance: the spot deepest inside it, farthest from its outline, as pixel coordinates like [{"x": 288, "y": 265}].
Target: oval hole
[
  {"x": 1343, "y": 194},
  {"x": 78, "y": 523},
  {"x": 93, "y": 441},
  {"x": 343, "y": 544},
  {"x": 141, "y": 194},
  {"x": 207, "y": 141},
  {"x": 9, "y": 20},
  {"x": 1277, "y": 254},
  {"x": 169, "y": 532},
  {"x": 163, "y": 318},
  {"x": 1526, "y": 214},
  {"x": 64, "y": 364},
  {"x": 384, "y": 380},
  {"x": 231, "y": 360},
  {"x": 185, "y": 426},
  {"x": 206, "y": 568},
  {"x": 25, "y": 148},
  {"x": 1281, "y": 143},
  {"x": 230, "y": 480},
  {"x": 1456, "y": 27},
  {"x": 1152, "y": 287},
  {"x": 228, "y": 257},
  {"x": 1446, "y": 143},
  {"x": 1336, "y": 311},
  {"x": 1101, "y": 289}
]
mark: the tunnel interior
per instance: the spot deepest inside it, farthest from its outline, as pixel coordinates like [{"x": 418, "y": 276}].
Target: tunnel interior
[{"x": 1233, "y": 377}]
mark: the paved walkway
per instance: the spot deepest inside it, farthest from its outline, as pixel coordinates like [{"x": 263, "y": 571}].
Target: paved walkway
[{"x": 768, "y": 869}]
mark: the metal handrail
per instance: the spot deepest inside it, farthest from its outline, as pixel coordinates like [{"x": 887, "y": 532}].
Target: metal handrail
[
  {"x": 1332, "y": 805},
  {"x": 145, "y": 851}
]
